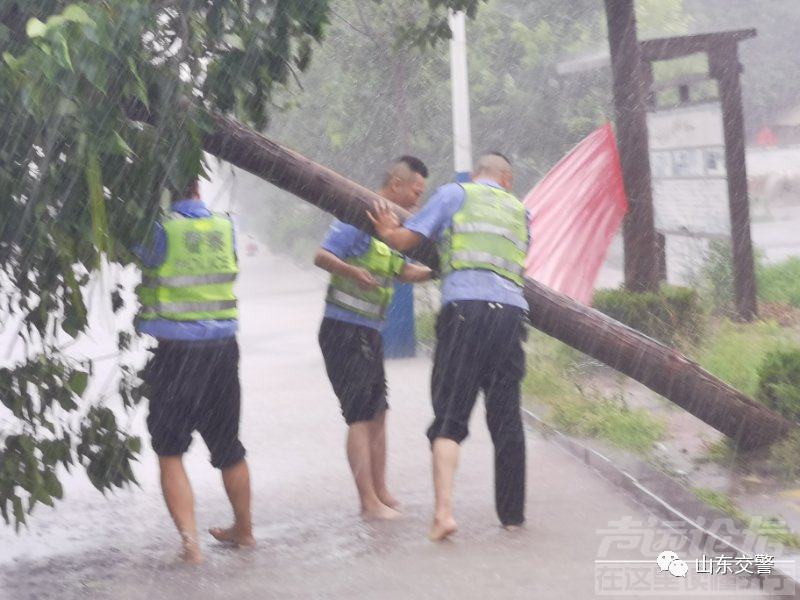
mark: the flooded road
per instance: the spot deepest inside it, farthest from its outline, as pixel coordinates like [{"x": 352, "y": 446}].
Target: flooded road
[{"x": 311, "y": 541}]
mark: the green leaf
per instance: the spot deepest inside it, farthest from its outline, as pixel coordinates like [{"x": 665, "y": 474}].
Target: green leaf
[
  {"x": 62, "y": 54},
  {"x": 97, "y": 204},
  {"x": 121, "y": 146},
  {"x": 76, "y": 14},
  {"x": 52, "y": 485},
  {"x": 10, "y": 60},
  {"x": 78, "y": 382},
  {"x": 234, "y": 41},
  {"x": 19, "y": 511},
  {"x": 35, "y": 28}
]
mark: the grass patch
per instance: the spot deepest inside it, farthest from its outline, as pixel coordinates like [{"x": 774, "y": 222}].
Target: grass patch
[
  {"x": 772, "y": 528},
  {"x": 609, "y": 419},
  {"x": 734, "y": 351},
  {"x": 554, "y": 370},
  {"x": 780, "y": 283},
  {"x": 720, "y": 452}
]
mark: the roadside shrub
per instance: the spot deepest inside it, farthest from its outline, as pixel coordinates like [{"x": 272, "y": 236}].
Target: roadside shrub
[
  {"x": 671, "y": 315},
  {"x": 780, "y": 283},
  {"x": 779, "y": 382}
]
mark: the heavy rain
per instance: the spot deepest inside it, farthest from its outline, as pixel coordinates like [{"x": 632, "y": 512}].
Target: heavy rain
[{"x": 245, "y": 310}]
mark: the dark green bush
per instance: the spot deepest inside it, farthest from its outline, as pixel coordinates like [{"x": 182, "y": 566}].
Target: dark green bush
[
  {"x": 671, "y": 315},
  {"x": 779, "y": 382}
]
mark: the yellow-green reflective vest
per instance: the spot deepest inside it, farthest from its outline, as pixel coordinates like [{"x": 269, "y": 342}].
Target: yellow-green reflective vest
[
  {"x": 490, "y": 232},
  {"x": 384, "y": 264},
  {"x": 195, "y": 281}
]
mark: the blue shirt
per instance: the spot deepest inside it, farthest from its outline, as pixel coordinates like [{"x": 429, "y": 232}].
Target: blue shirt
[
  {"x": 152, "y": 257},
  {"x": 345, "y": 241},
  {"x": 465, "y": 284}
]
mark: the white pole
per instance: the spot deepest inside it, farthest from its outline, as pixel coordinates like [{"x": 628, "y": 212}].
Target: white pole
[{"x": 459, "y": 87}]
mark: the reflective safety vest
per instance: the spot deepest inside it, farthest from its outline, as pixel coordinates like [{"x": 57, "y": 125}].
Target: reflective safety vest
[
  {"x": 195, "y": 281},
  {"x": 384, "y": 264},
  {"x": 490, "y": 232}
]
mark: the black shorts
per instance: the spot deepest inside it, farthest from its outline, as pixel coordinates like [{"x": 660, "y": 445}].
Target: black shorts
[
  {"x": 354, "y": 361},
  {"x": 194, "y": 386},
  {"x": 479, "y": 348}
]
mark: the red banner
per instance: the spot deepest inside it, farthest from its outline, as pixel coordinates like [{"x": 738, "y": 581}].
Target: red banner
[{"x": 576, "y": 209}]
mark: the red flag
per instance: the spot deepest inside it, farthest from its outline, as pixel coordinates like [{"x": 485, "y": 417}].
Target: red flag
[{"x": 575, "y": 212}]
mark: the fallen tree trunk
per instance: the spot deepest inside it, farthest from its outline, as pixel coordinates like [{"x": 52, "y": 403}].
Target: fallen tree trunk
[{"x": 657, "y": 366}]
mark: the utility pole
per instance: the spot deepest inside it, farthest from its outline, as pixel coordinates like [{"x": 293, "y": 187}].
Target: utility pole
[
  {"x": 639, "y": 233},
  {"x": 459, "y": 90}
]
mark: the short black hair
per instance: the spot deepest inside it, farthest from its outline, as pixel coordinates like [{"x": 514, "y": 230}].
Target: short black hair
[
  {"x": 415, "y": 164},
  {"x": 496, "y": 153}
]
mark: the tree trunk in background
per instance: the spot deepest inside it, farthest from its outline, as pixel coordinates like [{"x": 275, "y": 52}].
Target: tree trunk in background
[
  {"x": 630, "y": 93},
  {"x": 660, "y": 368}
]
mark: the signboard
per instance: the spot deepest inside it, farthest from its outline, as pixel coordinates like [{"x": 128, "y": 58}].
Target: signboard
[{"x": 687, "y": 158}]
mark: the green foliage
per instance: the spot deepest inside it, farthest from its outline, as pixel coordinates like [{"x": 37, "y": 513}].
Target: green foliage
[
  {"x": 772, "y": 527},
  {"x": 671, "y": 315},
  {"x": 779, "y": 283},
  {"x": 426, "y": 327},
  {"x": 719, "y": 501},
  {"x": 775, "y": 283},
  {"x": 552, "y": 380},
  {"x": 783, "y": 456},
  {"x": 610, "y": 419},
  {"x": 734, "y": 351},
  {"x": 714, "y": 278},
  {"x": 779, "y": 382}
]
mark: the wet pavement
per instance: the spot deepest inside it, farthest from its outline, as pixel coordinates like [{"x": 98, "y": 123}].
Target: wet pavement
[{"x": 311, "y": 541}]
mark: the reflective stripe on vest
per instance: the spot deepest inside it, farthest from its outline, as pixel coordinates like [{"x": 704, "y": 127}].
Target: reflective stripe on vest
[
  {"x": 181, "y": 307},
  {"x": 384, "y": 264},
  {"x": 344, "y": 299},
  {"x": 187, "y": 280},
  {"x": 488, "y": 233},
  {"x": 485, "y": 257},
  {"x": 494, "y": 229}
]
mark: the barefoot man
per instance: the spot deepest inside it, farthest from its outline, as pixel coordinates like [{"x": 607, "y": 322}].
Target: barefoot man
[
  {"x": 483, "y": 241},
  {"x": 188, "y": 305},
  {"x": 363, "y": 271}
]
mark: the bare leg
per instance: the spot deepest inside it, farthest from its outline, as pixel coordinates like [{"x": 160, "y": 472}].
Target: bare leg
[
  {"x": 377, "y": 445},
  {"x": 237, "y": 484},
  {"x": 445, "y": 462},
  {"x": 360, "y": 457},
  {"x": 180, "y": 502}
]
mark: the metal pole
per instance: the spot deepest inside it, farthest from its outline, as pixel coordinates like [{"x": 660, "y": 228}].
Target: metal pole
[
  {"x": 459, "y": 89},
  {"x": 639, "y": 233}
]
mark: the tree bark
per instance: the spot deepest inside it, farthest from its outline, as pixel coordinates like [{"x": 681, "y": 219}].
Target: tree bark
[{"x": 660, "y": 368}]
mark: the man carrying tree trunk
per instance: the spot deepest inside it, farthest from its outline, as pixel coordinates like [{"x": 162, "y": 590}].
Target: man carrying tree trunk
[
  {"x": 483, "y": 235},
  {"x": 363, "y": 271},
  {"x": 188, "y": 304}
]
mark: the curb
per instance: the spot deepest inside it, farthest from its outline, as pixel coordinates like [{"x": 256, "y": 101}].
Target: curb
[{"x": 649, "y": 487}]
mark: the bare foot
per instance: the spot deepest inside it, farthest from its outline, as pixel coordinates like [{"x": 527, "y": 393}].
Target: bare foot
[
  {"x": 231, "y": 535},
  {"x": 380, "y": 512},
  {"x": 442, "y": 528},
  {"x": 389, "y": 500},
  {"x": 513, "y": 528},
  {"x": 191, "y": 551}
]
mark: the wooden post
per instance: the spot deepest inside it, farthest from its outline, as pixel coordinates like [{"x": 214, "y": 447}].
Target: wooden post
[
  {"x": 724, "y": 66},
  {"x": 639, "y": 234}
]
